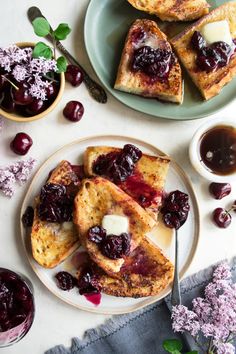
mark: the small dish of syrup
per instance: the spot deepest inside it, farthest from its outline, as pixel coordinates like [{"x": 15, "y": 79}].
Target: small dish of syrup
[
  {"x": 213, "y": 150},
  {"x": 218, "y": 150}
]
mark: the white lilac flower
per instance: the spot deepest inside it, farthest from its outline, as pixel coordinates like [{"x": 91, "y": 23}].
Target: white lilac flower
[
  {"x": 7, "y": 179},
  {"x": 222, "y": 272},
  {"x": 20, "y": 73}
]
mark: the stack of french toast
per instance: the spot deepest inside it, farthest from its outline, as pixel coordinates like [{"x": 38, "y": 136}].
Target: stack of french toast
[
  {"x": 150, "y": 64},
  {"x": 107, "y": 205}
]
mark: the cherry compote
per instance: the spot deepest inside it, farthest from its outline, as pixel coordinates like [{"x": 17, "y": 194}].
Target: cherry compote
[
  {"x": 16, "y": 307},
  {"x": 118, "y": 166},
  {"x": 111, "y": 246},
  {"x": 210, "y": 58},
  {"x": 175, "y": 209},
  {"x": 156, "y": 63}
]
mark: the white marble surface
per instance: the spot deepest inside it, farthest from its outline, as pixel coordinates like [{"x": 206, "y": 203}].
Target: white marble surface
[{"x": 56, "y": 322}]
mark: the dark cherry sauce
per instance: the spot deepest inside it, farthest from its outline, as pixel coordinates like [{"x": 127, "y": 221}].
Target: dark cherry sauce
[
  {"x": 138, "y": 189},
  {"x": 218, "y": 150},
  {"x": 139, "y": 263},
  {"x": 95, "y": 298}
]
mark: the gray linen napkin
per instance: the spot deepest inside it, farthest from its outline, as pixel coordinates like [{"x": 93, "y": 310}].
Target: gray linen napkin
[{"x": 141, "y": 332}]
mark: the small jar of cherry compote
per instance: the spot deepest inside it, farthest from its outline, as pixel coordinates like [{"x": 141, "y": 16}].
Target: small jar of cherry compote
[{"x": 16, "y": 307}]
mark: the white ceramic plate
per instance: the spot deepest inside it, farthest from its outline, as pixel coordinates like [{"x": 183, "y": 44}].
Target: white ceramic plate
[{"x": 188, "y": 234}]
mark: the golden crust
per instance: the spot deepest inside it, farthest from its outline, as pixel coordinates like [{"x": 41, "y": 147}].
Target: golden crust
[
  {"x": 152, "y": 169},
  {"x": 146, "y": 272},
  {"x": 173, "y": 10},
  {"x": 53, "y": 242},
  {"x": 139, "y": 83},
  {"x": 98, "y": 197},
  {"x": 209, "y": 84}
]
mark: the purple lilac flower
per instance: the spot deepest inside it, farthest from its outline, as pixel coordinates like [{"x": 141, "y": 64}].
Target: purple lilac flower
[
  {"x": 20, "y": 73},
  {"x": 185, "y": 320},
  {"x": 18, "y": 172},
  {"x": 42, "y": 66},
  {"x": 215, "y": 315},
  {"x": 222, "y": 272},
  {"x": 225, "y": 348}
]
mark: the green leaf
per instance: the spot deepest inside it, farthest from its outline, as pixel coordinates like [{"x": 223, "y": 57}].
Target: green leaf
[
  {"x": 172, "y": 346},
  {"x": 192, "y": 352},
  {"x": 61, "y": 65},
  {"x": 41, "y": 27},
  {"x": 42, "y": 50},
  {"x": 62, "y": 31}
]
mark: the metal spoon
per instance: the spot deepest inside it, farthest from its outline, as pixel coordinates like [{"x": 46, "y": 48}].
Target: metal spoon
[
  {"x": 176, "y": 295},
  {"x": 96, "y": 91}
]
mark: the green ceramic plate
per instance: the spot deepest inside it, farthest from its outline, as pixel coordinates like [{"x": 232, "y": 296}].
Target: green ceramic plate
[{"x": 106, "y": 25}]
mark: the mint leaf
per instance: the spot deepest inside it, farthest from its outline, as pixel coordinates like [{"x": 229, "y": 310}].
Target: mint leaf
[
  {"x": 172, "y": 346},
  {"x": 61, "y": 65},
  {"x": 62, "y": 31},
  {"x": 42, "y": 50},
  {"x": 41, "y": 27}
]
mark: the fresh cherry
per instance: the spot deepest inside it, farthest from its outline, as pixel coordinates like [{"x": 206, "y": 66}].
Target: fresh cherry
[
  {"x": 52, "y": 90},
  {"x": 74, "y": 75},
  {"x": 21, "y": 95},
  {"x": 2, "y": 82},
  {"x": 7, "y": 104},
  {"x": 35, "y": 107},
  {"x": 219, "y": 190},
  {"x": 221, "y": 217},
  {"x": 73, "y": 111},
  {"x": 234, "y": 206},
  {"x": 21, "y": 144}
]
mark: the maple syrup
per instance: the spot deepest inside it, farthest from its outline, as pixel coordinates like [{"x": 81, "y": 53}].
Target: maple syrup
[{"x": 218, "y": 150}]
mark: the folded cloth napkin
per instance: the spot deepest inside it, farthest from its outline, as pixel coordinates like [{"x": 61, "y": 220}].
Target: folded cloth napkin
[{"x": 141, "y": 332}]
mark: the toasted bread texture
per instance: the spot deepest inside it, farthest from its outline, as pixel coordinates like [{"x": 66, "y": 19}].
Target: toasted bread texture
[
  {"x": 98, "y": 197},
  {"x": 148, "y": 179},
  {"x": 173, "y": 10},
  {"x": 145, "y": 272},
  {"x": 209, "y": 83},
  {"x": 53, "y": 242},
  {"x": 169, "y": 89}
]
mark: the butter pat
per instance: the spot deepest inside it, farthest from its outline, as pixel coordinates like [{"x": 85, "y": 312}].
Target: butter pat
[
  {"x": 218, "y": 31},
  {"x": 115, "y": 224}
]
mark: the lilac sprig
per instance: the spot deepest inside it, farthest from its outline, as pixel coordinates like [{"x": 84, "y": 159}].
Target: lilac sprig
[
  {"x": 212, "y": 317},
  {"x": 18, "y": 172}
]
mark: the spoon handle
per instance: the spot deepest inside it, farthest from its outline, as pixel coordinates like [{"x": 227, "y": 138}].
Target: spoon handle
[
  {"x": 96, "y": 91},
  {"x": 175, "y": 295}
]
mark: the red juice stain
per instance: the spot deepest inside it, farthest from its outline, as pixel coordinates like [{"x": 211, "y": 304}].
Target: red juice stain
[
  {"x": 94, "y": 298},
  {"x": 143, "y": 193},
  {"x": 79, "y": 259}
]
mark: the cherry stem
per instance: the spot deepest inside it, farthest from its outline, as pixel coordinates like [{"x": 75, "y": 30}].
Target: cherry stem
[
  {"x": 17, "y": 88},
  {"x": 50, "y": 78}
]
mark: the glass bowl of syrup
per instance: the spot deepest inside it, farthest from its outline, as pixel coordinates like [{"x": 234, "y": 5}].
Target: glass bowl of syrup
[
  {"x": 16, "y": 307},
  {"x": 213, "y": 150}
]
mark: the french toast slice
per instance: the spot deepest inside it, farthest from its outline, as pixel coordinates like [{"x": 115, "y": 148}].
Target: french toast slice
[
  {"x": 173, "y": 10},
  {"x": 52, "y": 242},
  {"x": 98, "y": 197},
  {"x": 146, "y": 185},
  {"x": 167, "y": 86},
  {"x": 145, "y": 272},
  {"x": 209, "y": 83}
]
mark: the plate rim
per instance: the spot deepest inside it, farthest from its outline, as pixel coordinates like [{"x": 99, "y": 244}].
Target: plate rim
[
  {"x": 146, "y": 301},
  {"x": 115, "y": 94}
]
